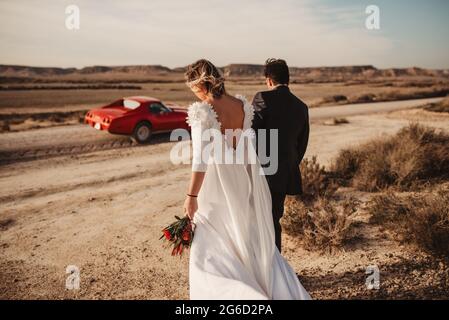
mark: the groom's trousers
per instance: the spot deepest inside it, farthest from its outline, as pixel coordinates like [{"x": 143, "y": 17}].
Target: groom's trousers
[{"x": 277, "y": 200}]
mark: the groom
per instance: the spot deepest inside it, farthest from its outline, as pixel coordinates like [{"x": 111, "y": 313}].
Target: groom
[{"x": 280, "y": 109}]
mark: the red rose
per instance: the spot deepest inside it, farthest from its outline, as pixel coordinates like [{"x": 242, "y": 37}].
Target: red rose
[
  {"x": 167, "y": 235},
  {"x": 186, "y": 235},
  {"x": 180, "y": 234}
]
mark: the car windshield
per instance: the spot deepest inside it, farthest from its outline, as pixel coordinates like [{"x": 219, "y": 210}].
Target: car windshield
[
  {"x": 158, "y": 108},
  {"x": 131, "y": 104}
]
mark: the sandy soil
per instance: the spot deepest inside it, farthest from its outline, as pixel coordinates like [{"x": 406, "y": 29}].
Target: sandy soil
[{"x": 102, "y": 210}]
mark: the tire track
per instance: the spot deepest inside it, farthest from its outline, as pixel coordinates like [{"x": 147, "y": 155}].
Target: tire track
[
  {"x": 158, "y": 172},
  {"x": 7, "y": 157},
  {"x": 60, "y": 141}
]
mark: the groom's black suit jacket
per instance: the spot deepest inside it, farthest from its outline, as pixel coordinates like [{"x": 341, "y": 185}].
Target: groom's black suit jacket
[{"x": 282, "y": 110}]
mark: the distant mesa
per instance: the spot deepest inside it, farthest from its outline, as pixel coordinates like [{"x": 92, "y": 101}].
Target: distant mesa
[
  {"x": 243, "y": 70},
  {"x": 231, "y": 70},
  {"x": 13, "y": 70}
]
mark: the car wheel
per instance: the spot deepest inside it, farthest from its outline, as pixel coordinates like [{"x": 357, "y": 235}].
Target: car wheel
[{"x": 142, "y": 132}]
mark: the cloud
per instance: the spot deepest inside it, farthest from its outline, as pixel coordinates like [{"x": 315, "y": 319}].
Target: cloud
[{"x": 175, "y": 33}]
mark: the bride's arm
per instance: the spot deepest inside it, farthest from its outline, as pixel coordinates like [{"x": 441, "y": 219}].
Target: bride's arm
[
  {"x": 199, "y": 166},
  {"x": 191, "y": 204}
]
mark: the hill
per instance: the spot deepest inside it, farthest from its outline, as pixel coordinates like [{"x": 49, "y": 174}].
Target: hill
[{"x": 15, "y": 73}]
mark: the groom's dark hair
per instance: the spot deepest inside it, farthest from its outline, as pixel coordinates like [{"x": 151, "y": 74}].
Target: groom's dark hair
[{"x": 277, "y": 70}]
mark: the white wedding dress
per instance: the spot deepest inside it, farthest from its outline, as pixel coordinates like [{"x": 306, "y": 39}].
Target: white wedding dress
[{"x": 233, "y": 254}]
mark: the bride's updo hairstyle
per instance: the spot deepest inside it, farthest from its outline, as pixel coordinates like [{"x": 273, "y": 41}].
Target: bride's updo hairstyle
[{"x": 204, "y": 74}]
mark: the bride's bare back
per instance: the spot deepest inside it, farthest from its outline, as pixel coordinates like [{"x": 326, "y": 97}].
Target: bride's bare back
[{"x": 230, "y": 113}]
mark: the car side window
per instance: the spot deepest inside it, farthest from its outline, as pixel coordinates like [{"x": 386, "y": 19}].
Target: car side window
[{"x": 157, "y": 108}]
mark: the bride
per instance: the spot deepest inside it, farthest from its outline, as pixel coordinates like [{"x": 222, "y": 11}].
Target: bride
[{"x": 233, "y": 254}]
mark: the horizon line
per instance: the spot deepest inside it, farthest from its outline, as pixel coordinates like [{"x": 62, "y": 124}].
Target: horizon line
[{"x": 229, "y": 64}]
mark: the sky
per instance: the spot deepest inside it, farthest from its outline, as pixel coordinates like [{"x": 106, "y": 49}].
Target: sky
[{"x": 175, "y": 33}]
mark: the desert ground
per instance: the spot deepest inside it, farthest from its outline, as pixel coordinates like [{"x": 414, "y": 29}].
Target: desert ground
[
  {"x": 74, "y": 196},
  {"x": 102, "y": 209}
]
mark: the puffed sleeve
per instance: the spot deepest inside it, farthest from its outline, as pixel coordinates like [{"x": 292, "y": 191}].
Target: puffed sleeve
[{"x": 200, "y": 118}]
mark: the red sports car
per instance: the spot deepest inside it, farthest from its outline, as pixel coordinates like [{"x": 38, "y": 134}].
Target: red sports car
[{"x": 139, "y": 117}]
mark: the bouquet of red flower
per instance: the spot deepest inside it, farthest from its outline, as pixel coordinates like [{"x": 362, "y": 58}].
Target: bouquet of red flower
[{"x": 179, "y": 233}]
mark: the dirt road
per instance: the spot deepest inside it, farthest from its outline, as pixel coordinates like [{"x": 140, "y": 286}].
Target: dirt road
[
  {"x": 102, "y": 211},
  {"x": 78, "y": 139}
]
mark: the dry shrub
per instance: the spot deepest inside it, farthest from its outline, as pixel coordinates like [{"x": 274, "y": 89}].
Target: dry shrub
[
  {"x": 391, "y": 209},
  {"x": 326, "y": 226},
  {"x": 5, "y": 224},
  {"x": 364, "y": 98},
  {"x": 335, "y": 99},
  {"x": 414, "y": 155},
  {"x": 4, "y": 126},
  {"x": 422, "y": 218},
  {"x": 346, "y": 165},
  {"x": 316, "y": 182},
  {"x": 338, "y": 121},
  {"x": 397, "y": 95},
  {"x": 317, "y": 217},
  {"x": 421, "y": 94},
  {"x": 442, "y": 106},
  {"x": 295, "y": 216}
]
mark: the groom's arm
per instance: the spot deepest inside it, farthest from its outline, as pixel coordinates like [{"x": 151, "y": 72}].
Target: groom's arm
[
  {"x": 303, "y": 138},
  {"x": 259, "y": 111}
]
